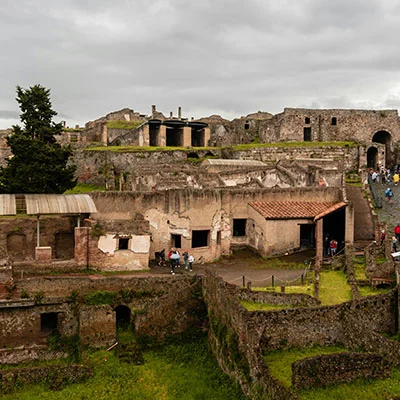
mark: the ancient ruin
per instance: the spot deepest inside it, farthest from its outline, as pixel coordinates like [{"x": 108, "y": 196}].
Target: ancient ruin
[{"x": 275, "y": 184}]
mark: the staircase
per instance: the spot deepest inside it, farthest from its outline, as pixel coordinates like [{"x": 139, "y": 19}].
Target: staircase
[{"x": 364, "y": 232}]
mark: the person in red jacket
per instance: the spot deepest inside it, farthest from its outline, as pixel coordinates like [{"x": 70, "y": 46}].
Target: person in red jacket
[
  {"x": 397, "y": 232},
  {"x": 333, "y": 247}
]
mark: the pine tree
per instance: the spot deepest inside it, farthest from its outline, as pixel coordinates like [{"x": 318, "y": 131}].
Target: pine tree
[{"x": 39, "y": 164}]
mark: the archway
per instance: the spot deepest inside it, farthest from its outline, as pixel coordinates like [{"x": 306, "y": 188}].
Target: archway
[
  {"x": 123, "y": 317},
  {"x": 372, "y": 157},
  {"x": 385, "y": 138}
]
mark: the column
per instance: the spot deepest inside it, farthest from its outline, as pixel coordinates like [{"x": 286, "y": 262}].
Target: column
[
  {"x": 162, "y": 137},
  {"x": 187, "y": 136},
  {"x": 207, "y": 136}
]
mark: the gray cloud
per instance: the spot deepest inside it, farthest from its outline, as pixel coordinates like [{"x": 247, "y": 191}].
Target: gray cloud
[{"x": 225, "y": 56}]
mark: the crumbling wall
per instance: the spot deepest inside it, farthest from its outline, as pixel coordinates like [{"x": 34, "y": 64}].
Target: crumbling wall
[{"x": 237, "y": 336}]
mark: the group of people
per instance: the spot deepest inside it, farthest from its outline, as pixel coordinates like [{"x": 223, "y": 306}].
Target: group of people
[
  {"x": 174, "y": 258},
  {"x": 385, "y": 175}
]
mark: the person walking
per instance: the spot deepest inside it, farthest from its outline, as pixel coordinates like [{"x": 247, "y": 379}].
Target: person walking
[
  {"x": 333, "y": 247},
  {"x": 394, "y": 244},
  {"x": 186, "y": 259},
  {"x": 191, "y": 261},
  {"x": 397, "y": 232}
]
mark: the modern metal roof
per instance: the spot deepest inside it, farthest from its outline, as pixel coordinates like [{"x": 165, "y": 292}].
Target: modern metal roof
[{"x": 48, "y": 204}]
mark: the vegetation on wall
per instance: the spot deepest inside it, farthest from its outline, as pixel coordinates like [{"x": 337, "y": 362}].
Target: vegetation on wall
[{"x": 122, "y": 124}]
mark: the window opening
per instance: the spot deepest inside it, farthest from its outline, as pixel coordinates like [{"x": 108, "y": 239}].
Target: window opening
[
  {"x": 239, "y": 227},
  {"x": 219, "y": 238},
  {"x": 200, "y": 238},
  {"x": 334, "y": 121},
  {"x": 307, "y": 120},
  {"x": 176, "y": 241},
  {"x": 122, "y": 317},
  {"x": 307, "y": 134},
  {"x": 48, "y": 323},
  {"x": 123, "y": 243}
]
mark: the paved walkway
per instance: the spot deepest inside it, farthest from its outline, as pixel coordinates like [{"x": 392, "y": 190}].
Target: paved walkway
[
  {"x": 389, "y": 213},
  {"x": 247, "y": 264}
]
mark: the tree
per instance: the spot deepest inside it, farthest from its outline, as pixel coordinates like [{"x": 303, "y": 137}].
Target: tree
[{"x": 39, "y": 164}]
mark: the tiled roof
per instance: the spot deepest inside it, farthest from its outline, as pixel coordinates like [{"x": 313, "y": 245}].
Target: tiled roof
[{"x": 290, "y": 209}]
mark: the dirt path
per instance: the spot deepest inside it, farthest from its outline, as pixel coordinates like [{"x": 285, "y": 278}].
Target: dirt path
[{"x": 251, "y": 266}]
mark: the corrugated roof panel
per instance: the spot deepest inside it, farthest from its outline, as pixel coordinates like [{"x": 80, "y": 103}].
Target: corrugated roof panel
[
  {"x": 59, "y": 204},
  {"x": 8, "y": 204}
]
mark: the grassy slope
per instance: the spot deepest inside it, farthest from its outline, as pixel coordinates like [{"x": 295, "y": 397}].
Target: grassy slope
[{"x": 184, "y": 371}]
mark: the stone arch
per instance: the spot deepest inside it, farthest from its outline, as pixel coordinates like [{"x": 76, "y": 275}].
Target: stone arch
[
  {"x": 16, "y": 246},
  {"x": 372, "y": 157},
  {"x": 122, "y": 316},
  {"x": 383, "y": 136}
]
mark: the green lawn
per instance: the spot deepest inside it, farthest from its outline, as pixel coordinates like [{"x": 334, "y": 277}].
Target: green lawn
[
  {"x": 179, "y": 371},
  {"x": 280, "y": 363},
  {"x": 252, "y": 306},
  {"x": 84, "y": 188}
]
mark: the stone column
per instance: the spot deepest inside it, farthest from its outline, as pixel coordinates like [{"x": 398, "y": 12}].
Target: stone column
[
  {"x": 162, "y": 136},
  {"x": 187, "y": 136},
  {"x": 349, "y": 225},
  {"x": 104, "y": 135},
  {"x": 145, "y": 136},
  {"x": 319, "y": 251},
  {"x": 207, "y": 136}
]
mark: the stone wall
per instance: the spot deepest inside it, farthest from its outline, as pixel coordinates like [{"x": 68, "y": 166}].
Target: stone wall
[
  {"x": 329, "y": 369},
  {"x": 112, "y": 164},
  {"x": 355, "y": 125},
  {"x": 18, "y": 236},
  {"x": 238, "y": 336},
  {"x": 181, "y": 212},
  {"x": 84, "y": 306}
]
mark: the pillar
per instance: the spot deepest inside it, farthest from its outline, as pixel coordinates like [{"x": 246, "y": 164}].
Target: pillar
[
  {"x": 187, "y": 136},
  {"x": 162, "y": 137},
  {"x": 349, "y": 225},
  {"x": 319, "y": 249},
  {"x": 144, "y": 138},
  {"x": 104, "y": 135},
  {"x": 207, "y": 136}
]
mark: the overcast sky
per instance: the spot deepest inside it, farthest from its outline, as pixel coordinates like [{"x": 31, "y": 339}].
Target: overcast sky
[{"x": 226, "y": 57}]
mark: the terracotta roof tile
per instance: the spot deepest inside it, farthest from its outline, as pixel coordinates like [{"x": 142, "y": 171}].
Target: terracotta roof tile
[{"x": 290, "y": 209}]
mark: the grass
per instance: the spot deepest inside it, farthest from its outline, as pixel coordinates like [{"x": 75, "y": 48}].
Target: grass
[
  {"x": 133, "y": 149},
  {"x": 176, "y": 371},
  {"x": 370, "y": 291},
  {"x": 359, "y": 268},
  {"x": 333, "y": 288},
  {"x": 122, "y": 124},
  {"x": 253, "y": 306},
  {"x": 280, "y": 362},
  {"x": 84, "y": 188},
  {"x": 360, "y": 389}
]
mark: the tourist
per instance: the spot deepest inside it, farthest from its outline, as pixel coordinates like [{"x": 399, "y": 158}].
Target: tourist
[
  {"x": 389, "y": 195},
  {"x": 191, "y": 261},
  {"x": 175, "y": 257},
  {"x": 333, "y": 247},
  {"x": 394, "y": 244},
  {"x": 186, "y": 259},
  {"x": 397, "y": 232},
  {"x": 396, "y": 178},
  {"x": 374, "y": 176},
  {"x": 383, "y": 236}
]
